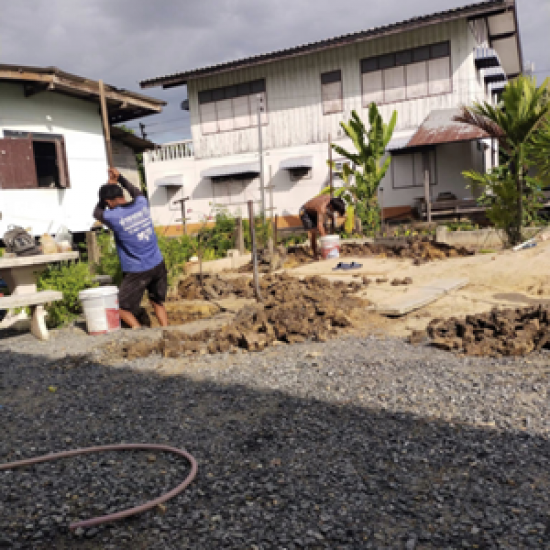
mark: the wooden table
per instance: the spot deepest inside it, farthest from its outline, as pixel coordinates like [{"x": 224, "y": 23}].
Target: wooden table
[{"x": 21, "y": 274}]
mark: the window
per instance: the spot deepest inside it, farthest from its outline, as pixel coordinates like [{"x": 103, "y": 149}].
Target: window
[
  {"x": 408, "y": 74},
  {"x": 232, "y": 107},
  {"x": 174, "y": 193},
  {"x": 408, "y": 169},
  {"x": 331, "y": 92},
  {"x": 31, "y": 161},
  {"x": 297, "y": 174}
]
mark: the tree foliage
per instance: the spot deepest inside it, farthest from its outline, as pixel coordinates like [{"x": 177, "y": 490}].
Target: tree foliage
[
  {"x": 520, "y": 124},
  {"x": 366, "y": 169}
]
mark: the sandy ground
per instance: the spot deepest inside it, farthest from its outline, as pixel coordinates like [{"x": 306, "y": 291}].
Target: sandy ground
[{"x": 505, "y": 279}]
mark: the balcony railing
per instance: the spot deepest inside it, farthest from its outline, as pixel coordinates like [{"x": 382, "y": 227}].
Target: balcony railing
[{"x": 172, "y": 151}]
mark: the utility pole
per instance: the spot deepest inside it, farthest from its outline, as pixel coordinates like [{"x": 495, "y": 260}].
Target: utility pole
[
  {"x": 260, "y": 147},
  {"x": 142, "y": 128}
]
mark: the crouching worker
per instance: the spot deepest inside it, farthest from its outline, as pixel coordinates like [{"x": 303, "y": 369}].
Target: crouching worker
[
  {"x": 315, "y": 213},
  {"x": 136, "y": 242}
]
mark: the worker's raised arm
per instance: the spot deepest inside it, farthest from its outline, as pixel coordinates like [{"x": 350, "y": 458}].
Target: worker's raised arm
[{"x": 116, "y": 177}]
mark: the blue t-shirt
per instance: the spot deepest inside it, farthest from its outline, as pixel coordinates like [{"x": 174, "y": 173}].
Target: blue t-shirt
[{"x": 135, "y": 237}]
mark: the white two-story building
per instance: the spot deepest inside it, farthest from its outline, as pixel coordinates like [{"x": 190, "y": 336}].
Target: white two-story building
[{"x": 424, "y": 68}]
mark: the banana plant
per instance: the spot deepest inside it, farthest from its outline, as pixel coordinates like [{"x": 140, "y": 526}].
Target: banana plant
[{"x": 366, "y": 168}]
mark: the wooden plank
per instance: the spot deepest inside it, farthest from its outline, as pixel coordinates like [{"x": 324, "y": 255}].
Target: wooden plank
[
  {"x": 106, "y": 126},
  {"x": 33, "y": 299},
  {"x": 40, "y": 259},
  {"x": 17, "y": 167}
]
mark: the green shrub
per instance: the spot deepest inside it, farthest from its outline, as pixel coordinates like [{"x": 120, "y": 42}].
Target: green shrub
[
  {"x": 109, "y": 263},
  {"x": 69, "y": 279},
  {"x": 263, "y": 232}
]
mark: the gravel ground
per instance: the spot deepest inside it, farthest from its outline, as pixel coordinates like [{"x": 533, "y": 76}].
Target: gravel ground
[{"x": 356, "y": 443}]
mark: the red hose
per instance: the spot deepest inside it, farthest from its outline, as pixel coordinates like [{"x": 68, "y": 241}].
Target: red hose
[{"x": 133, "y": 446}]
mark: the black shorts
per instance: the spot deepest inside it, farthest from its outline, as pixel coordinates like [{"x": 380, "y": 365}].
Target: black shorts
[
  {"x": 155, "y": 281},
  {"x": 309, "y": 219}
]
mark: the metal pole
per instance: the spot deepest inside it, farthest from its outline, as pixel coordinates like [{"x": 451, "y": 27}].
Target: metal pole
[
  {"x": 260, "y": 147},
  {"x": 331, "y": 181},
  {"x": 254, "y": 255}
]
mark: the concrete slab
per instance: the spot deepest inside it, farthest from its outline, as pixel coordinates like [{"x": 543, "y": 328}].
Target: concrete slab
[
  {"x": 446, "y": 285},
  {"x": 417, "y": 297},
  {"x": 404, "y": 303}
]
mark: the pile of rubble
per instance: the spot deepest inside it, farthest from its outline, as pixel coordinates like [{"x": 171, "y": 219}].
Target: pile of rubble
[
  {"x": 293, "y": 311},
  {"x": 500, "y": 332}
]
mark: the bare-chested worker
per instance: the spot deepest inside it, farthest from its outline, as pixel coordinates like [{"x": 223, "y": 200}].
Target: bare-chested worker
[{"x": 315, "y": 212}]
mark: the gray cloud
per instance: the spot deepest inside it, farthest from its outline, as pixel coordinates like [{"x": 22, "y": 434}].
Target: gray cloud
[{"x": 125, "y": 41}]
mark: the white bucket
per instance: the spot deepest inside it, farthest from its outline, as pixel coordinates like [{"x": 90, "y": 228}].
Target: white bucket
[
  {"x": 100, "y": 307},
  {"x": 330, "y": 246}
]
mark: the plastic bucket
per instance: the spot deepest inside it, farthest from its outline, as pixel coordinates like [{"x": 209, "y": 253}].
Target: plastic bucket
[
  {"x": 330, "y": 247},
  {"x": 100, "y": 307}
]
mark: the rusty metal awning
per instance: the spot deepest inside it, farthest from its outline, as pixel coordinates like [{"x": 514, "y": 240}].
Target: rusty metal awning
[
  {"x": 242, "y": 169},
  {"x": 439, "y": 127},
  {"x": 296, "y": 162}
]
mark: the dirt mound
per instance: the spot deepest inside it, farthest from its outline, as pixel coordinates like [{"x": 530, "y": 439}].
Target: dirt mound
[
  {"x": 420, "y": 250},
  {"x": 293, "y": 311},
  {"x": 500, "y": 332}
]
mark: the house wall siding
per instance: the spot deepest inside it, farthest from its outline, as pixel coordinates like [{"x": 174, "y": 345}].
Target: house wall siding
[
  {"x": 44, "y": 210},
  {"x": 294, "y": 92}
]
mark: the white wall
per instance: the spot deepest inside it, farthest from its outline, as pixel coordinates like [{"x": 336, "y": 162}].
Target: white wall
[
  {"x": 294, "y": 92},
  {"x": 44, "y": 210},
  {"x": 288, "y": 196}
]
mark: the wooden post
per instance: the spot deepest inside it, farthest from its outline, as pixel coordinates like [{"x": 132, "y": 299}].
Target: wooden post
[
  {"x": 106, "y": 127},
  {"x": 183, "y": 218},
  {"x": 426, "y": 158},
  {"x": 93, "y": 249},
  {"x": 254, "y": 253},
  {"x": 331, "y": 180},
  {"x": 239, "y": 237}
]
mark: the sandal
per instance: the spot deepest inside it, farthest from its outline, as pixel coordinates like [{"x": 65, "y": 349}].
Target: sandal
[
  {"x": 354, "y": 265},
  {"x": 341, "y": 265}
]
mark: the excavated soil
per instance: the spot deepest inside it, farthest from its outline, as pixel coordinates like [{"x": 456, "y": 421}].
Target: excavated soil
[
  {"x": 293, "y": 311},
  {"x": 420, "y": 250},
  {"x": 510, "y": 332}
]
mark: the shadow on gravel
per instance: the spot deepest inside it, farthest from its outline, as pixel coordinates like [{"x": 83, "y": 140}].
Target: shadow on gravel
[{"x": 274, "y": 471}]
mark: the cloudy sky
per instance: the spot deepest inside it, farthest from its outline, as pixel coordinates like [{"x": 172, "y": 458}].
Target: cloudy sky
[{"x": 126, "y": 41}]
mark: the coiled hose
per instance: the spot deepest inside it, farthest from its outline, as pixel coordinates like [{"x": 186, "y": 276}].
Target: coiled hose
[{"x": 126, "y": 447}]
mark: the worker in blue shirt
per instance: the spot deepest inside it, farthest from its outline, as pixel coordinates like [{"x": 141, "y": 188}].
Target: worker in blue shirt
[{"x": 136, "y": 242}]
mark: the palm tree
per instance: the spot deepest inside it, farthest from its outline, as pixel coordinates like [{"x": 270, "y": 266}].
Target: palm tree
[{"x": 517, "y": 122}]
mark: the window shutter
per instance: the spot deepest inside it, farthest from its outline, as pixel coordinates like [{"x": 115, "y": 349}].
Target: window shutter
[
  {"x": 439, "y": 75},
  {"x": 17, "y": 168},
  {"x": 209, "y": 120},
  {"x": 241, "y": 112},
  {"x": 62, "y": 165},
  {"x": 373, "y": 88},
  {"x": 417, "y": 80},
  {"x": 332, "y": 97},
  {"x": 394, "y": 84},
  {"x": 224, "y": 109}
]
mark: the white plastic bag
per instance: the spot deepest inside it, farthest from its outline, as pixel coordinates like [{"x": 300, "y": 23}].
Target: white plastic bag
[{"x": 64, "y": 239}]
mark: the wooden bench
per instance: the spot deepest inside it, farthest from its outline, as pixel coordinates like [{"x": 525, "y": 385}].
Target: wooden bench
[
  {"x": 35, "y": 301},
  {"x": 450, "y": 207}
]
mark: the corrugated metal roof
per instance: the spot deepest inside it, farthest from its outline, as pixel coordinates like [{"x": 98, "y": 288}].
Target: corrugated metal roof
[
  {"x": 139, "y": 145},
  {"x": 232, "y": 170},
  {"x": 440, "y": 127},
  {"x": 397, "y": 144},
  {"x": 296, "y": 162},
  {"x": 481, "y": 8}
]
